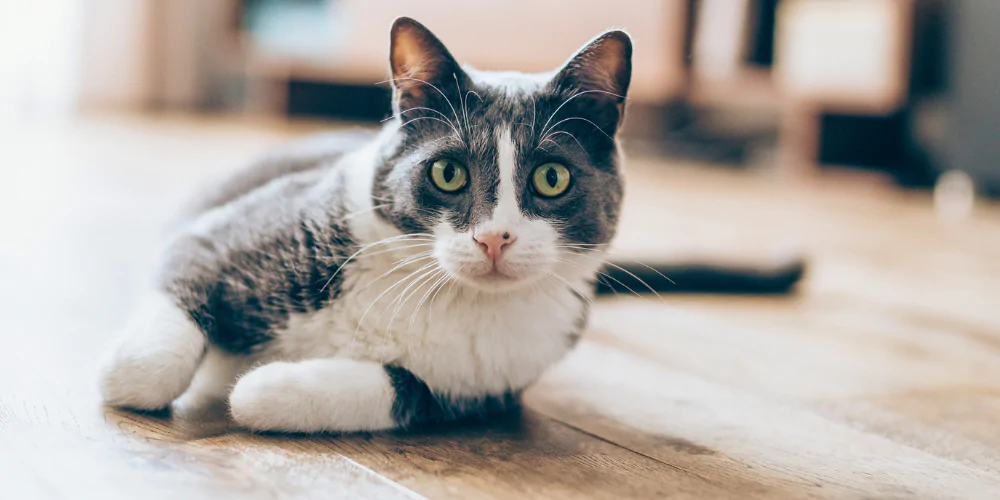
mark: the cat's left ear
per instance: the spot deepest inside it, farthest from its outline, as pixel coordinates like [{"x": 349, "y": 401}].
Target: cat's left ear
[
  {"x": 421, "y": 66},
  {"x": 600, "y": 73}
]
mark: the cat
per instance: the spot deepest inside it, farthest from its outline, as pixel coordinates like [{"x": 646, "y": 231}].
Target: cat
[
  {"x": 423, "y": 273},
  {"x": 427, "y": 272}
]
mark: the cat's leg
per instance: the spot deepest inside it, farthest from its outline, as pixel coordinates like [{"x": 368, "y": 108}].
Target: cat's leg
[
  {"x": 155, "y": 358},
  {"x": 348, "y": 395},
  {"x": 315, "y": 395},
  {"x": 207, "y": 396}
]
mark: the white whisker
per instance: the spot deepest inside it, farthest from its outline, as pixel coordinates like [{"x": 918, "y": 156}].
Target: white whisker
[
  {"x": 545, "y": 128},
  {"x": 439, "y": 92},
  {"x": 370, "y": 245},
  {"x": 379, "y": 297}
]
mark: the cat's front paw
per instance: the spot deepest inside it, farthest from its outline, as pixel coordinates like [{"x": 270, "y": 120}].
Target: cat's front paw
[
  {"x": 313, "y": 396},
  {"x": 264, "y": 399},
  {"x": 155, "y": 358}
]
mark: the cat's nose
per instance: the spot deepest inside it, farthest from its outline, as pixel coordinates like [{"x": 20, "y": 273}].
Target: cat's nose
[{"x": 493, "y": 243}]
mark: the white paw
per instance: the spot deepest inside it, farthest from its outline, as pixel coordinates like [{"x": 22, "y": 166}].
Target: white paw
[
  {"x": 152, "y": 364},
  {"x": 261, "y": 399},
  {"x": 313, "y": 396}
]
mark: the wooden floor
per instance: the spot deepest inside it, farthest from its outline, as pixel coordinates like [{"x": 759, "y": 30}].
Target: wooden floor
[{"x": 881, "y": 379}]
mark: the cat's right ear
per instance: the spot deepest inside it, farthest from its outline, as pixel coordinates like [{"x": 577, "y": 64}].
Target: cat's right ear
[{"x": 419, "y": 62}]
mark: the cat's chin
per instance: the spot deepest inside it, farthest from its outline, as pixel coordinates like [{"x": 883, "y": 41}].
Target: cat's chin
[{"x": 495, "y": 281}]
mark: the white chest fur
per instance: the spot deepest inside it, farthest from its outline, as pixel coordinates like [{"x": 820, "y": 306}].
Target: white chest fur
[{"x": 459, "y": 341}]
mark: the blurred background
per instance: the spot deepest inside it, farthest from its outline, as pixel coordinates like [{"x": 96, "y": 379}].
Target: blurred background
[{"x": 901, "y": 89}]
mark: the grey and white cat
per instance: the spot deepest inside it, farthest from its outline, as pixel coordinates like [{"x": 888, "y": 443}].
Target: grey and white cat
[{"x": 420, "y": 274}]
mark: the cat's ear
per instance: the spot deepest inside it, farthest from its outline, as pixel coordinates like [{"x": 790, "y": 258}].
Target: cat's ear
[
  {"x": 600, "y": 73},
  {"x": 419, "y": 62}
]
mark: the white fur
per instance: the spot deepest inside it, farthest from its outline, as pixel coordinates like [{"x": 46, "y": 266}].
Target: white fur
[
  {"x": 512, "y": 82},
  {"x": 155, "y": 358},
  {"x": 213, "y": 381},
  {"x": 507, "y": 210},
  {"x": 314, "y": 395}
]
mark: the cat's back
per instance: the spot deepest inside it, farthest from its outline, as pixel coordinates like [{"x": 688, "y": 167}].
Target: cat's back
[{"x": 307, "y": 158}]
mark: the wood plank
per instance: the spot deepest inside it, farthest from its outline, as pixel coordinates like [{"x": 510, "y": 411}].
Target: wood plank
[
  {"x": 733, "y": 432},
  {"x": 524, "y": 456},
  {"x": 874, "y": 373}
]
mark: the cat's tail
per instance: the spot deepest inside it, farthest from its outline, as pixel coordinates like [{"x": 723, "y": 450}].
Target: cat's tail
[{"x": 626, "y": 276}]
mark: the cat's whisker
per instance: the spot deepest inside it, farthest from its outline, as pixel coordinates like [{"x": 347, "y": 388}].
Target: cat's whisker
[
  {"x": 626, "y": 271},
  {"x": 361, "y": 321},
  {"x": 465, "y": 111},
  {"x": 407, "y": 122},
  {"x": 438, "y": 91},
  {"x": 549, "y": 137},
  {"x": 581, "y": 249},
  {"x": 651, "y": 268},
  {"x": 391, "y": 202},
  {"x": 599, "y": 275},
  {"x": 397, "y": 301},
  {"x": 599, "y": 129},
  {"x": 419, "y": 281},
  {"x": 402, "y": 298},
  {"x": 543, "y": 141},
  {"x": 447, "y": 277},
  {"x": 439, "y": 284},
  {"x": 380, "y": 252},
  {"x": 363, "y": 211},
  {"x": 582, "y": 245},
  {"x": 549, "y": 278},
  {"x": 413, "y": 315},
  {"x": 399, "y": 264},
  {"x": 534, "y": 116},
  {"x": 545, "y": 128},
  {"x": 419, "y": 108},
  {"x": 630, "y": 273},
  {"x": 583, "y": 295},
  {"x": 405, "y": 238},
  {"x": 370, "y": 245},
  {"x": 440, "y": 277}
]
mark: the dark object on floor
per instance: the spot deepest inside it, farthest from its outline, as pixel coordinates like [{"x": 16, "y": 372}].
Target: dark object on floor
[{"x": 776, "y": 279}]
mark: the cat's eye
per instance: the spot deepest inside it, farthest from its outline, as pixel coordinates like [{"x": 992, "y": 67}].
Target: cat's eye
[
  {"x": 448, "y": 175},
  {"x": 551, "y": 180}
]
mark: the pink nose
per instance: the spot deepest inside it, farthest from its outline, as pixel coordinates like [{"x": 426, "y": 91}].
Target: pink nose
[{"x": 493, "y": 243}]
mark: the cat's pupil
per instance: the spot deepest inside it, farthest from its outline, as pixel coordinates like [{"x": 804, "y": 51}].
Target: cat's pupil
[
  {"x": 448, "y": 173},
  {"x": 552, "y": 177}
]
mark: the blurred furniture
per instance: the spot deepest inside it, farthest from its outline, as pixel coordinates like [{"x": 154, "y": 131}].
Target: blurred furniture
[
  {"x": 973, "y": 117},
  {"x": 487, "y": 35},
  {"x": 858, "y": 82},
  {"x": 844, "y": 56}
]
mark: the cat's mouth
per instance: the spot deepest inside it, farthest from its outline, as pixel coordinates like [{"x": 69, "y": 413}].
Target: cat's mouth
[
  {"x": 495, "y": 279},
  {"x": 497, "y": 276}
]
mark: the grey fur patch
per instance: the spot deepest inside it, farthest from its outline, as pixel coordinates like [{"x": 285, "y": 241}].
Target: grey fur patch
[{"x": 278, "y": 239}]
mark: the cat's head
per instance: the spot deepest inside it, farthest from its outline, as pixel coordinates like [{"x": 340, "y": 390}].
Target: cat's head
[{"x": 516, "y": 176}]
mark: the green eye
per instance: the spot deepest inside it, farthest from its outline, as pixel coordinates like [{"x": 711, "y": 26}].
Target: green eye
[
  {"x": 448, "y": 175},
  {"x": 551, "y": 179}
]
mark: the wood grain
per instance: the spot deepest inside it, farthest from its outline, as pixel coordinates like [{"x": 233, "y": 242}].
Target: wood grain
[{"x": 881, "y": 378}]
